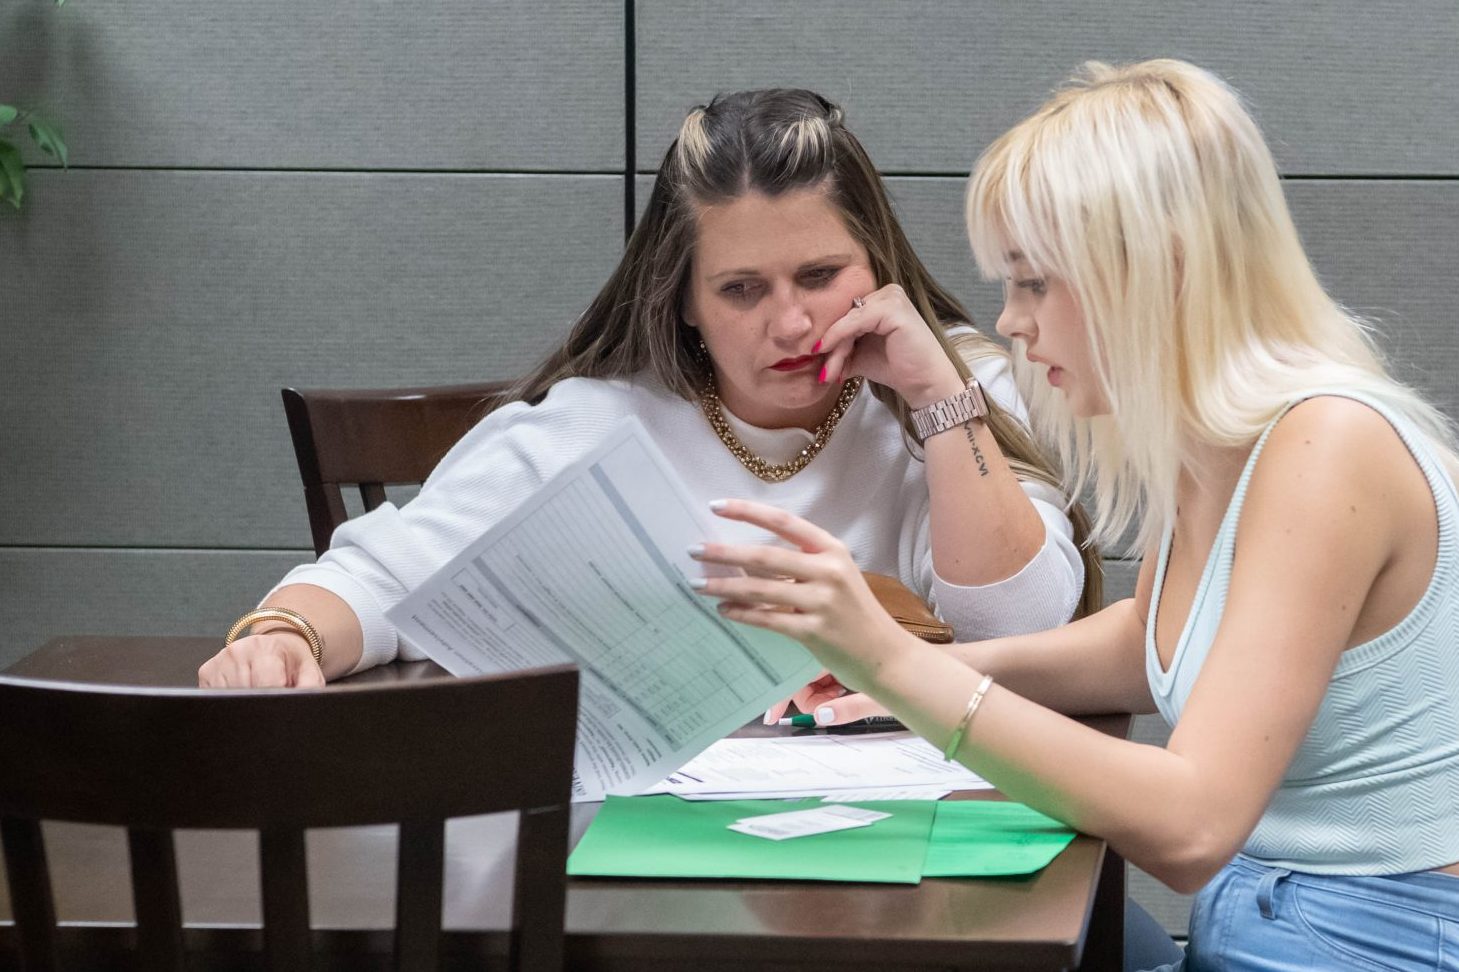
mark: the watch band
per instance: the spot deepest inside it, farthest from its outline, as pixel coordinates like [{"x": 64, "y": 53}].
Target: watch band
[{"x": 966, "y": 405}]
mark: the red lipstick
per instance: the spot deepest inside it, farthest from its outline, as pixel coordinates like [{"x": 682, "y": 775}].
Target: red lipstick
[{"x": 795, "y": 364}]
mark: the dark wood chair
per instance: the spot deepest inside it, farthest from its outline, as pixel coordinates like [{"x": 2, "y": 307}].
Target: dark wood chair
[
  {"x": 373, "y": 438},
  {"x": 415, "y": 753}
]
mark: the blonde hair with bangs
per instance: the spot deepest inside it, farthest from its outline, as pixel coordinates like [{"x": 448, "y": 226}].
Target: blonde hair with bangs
[{"x": 1148, "y": 188}]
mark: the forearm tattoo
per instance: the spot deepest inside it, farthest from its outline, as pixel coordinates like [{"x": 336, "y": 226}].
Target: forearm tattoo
[{"x": 978, "y": 456}]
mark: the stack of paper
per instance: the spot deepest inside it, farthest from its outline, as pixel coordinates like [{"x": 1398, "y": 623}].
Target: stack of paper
[{"x": 880, "y": 766}]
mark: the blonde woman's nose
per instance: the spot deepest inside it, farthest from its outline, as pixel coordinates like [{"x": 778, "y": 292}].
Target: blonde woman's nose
[{"x": 1013, "y": 324}]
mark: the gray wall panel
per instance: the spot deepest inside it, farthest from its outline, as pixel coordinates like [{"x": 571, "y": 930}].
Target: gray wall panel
[
  {"x": 152, "y": 317},
  {"x": 48, "y": 593},
  {"x": 1388, "y": 249},
  {"x": 1347, "y": 87},
  {"x": 449, "y": 84}
]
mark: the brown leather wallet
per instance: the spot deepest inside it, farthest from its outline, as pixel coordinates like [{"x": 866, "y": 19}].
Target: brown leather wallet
[{"x": 907, "y": 609}]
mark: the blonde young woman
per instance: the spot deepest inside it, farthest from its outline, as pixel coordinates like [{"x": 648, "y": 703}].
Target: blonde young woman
[
  {"x": 768, "y": 225},
  {"x": 1296, "y": 618}
]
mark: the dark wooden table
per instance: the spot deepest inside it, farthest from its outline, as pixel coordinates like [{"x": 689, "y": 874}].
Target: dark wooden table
[{"x": 1069, "y": 915}]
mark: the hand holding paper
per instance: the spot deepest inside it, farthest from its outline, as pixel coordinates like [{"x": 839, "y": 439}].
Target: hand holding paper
[{"x": 594, "y": 570}]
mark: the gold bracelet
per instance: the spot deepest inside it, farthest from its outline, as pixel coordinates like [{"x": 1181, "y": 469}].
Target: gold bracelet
[
  {"x": 966, "y": 720},
  {"x": 292, "y": 618}
]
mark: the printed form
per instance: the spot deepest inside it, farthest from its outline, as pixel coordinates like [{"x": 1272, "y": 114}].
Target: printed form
[
  {"x": 594, "y": 570},
  {"x": 889, "y": 765}
]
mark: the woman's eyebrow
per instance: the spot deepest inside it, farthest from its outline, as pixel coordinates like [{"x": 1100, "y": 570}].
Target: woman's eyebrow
[
  {"x": 743, "y": 271},
  {"x": 813, "y": 262},
  {"x": 828, "y": 258}
]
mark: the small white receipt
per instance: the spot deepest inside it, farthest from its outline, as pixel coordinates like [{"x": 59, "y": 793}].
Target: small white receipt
[{"x": 804, "y": 823}]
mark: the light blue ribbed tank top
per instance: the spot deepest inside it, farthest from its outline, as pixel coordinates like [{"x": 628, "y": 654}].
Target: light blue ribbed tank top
[{"x": 1374, "y": 787}]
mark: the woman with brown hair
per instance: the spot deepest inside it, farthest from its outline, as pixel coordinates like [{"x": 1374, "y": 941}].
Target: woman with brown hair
[{"x": 774, "y": 331}]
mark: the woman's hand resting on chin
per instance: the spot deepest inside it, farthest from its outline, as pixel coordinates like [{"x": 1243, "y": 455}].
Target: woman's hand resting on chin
[{"x": 885, "y": 340}]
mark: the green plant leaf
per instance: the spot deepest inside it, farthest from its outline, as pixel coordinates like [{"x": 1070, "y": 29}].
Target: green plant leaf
[
  {"x": 12, "y": 174},
  {"x": 48, "y": 138},
  {"x": 7, "y": 114}
]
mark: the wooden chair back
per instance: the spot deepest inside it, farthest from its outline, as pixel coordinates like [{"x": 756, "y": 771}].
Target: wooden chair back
[
  {"x": 280, "y": 761},
  {"x": 373, "y": 438}
]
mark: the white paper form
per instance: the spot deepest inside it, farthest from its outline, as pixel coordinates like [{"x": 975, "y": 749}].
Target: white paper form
[
  {"x": 594, "y": 570},
  {"x": 786, "y": 766}
]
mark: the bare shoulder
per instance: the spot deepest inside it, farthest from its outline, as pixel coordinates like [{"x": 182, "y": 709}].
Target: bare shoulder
[
  {"x": 1331, "y": 460},
  {"x": 1331, "y": 440}
]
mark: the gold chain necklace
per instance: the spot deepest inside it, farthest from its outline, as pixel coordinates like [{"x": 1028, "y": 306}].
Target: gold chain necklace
[{"x": 775, "y": 472}]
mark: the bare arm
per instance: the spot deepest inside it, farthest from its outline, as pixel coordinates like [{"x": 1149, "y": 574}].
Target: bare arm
[
  {"x": 984, "y": 528},
  {"x": 1090, "y": 666},
  {"x": 275, "y": 655},
  {"x": 1093, "y": 665},
  {"x": 1312, "y": 540}
]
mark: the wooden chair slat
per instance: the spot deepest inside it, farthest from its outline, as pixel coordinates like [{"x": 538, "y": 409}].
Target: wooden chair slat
[
  {"x": 285, "y": 890},
  {"x": 419, "y": 895},
  {"x": 31, "y": 903},
  {"x": 539, "y": 892},
  {"x": 156, "y": 900},
  {"x": 373, "y": 495}
]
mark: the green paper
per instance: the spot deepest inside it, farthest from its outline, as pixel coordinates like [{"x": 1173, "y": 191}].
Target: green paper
[
  {"x": 986, "y": 838},
  {"x": 663, "y": 836}
]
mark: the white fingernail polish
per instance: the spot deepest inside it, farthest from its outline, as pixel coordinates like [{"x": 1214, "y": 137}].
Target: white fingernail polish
[
  {"x": 716, "y": 505},
  {"x": 825, "y": 715},
  {"x": 770, "y": 717},
  {"x": 698, "y": 583},
  {"x": 696, "y": 550}
]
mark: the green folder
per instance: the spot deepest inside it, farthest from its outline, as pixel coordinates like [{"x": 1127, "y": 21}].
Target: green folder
[
  {"x": 986, "y": 838},
  {"x": 663, "y": 836}
]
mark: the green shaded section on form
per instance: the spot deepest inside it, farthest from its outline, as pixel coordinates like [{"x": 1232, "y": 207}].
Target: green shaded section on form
[{"x": 987, "y": 838}]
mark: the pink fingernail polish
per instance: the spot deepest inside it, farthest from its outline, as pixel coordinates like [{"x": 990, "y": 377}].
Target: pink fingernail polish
[
  {"x": 815, "y": 347},
  {"x": 822, "y": 378}
]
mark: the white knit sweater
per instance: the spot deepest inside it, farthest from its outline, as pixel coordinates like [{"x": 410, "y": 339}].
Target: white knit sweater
[{"x": 864, "y": 487}]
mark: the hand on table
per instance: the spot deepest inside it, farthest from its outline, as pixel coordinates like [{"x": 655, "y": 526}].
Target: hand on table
[{"x": 271, "y": 659}]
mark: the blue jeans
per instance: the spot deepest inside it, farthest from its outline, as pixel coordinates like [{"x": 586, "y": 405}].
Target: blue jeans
[{"x": 1255, "y": 917}]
